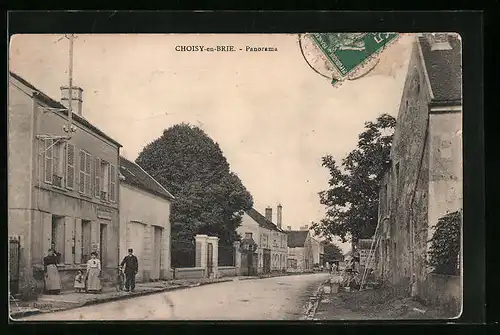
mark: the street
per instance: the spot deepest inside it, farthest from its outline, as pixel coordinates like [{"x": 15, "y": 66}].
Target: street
[{"x": 277, "y": 298}]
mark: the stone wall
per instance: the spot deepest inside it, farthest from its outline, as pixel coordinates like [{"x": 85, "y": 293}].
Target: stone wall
[
  {"x": 189, "y": 273},
  {"x": 443, "y": 290},
  {"x": 227, "y": 271}
]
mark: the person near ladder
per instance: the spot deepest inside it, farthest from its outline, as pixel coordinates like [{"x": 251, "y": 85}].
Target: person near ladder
[{"x": 131, "y": 266}]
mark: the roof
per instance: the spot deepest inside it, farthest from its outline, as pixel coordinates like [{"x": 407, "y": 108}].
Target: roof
[
  {"x": 297, "y": 238},
  {"x": 55, "y": 104},
  {"x": 135, "y": 176},
  {"x": 262, "y": 221},
  {"x": 444, "y": 68}
]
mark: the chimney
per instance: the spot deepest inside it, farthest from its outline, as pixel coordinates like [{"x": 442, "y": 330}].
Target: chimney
[
  {"x": 306, "y": 227},
  {"x": 289, "y": 228},
  {"x": 76, "y": 101},
  {"x": 279, "y": 216},
  {"x": 269, "y": 214}
]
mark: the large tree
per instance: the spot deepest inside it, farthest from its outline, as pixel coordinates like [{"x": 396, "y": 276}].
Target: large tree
[
  {"x": 209, "y": 198},
  {"x": 332, "y": 252},
  {"x": 352, "y": 197}
]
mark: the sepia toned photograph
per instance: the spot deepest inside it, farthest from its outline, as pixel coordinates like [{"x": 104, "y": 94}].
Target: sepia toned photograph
[{"x": 313, "y": 176}]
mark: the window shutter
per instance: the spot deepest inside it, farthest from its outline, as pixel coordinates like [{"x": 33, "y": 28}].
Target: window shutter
[
  {"x": 81, "y": 176},
  {"x": 48, "y": 169},
  {"x": 97, "y": 179},
  {"x": 70, "y": 168},
  {"x": 112, "y": 182},
  {"x": 88, "y": 168}
]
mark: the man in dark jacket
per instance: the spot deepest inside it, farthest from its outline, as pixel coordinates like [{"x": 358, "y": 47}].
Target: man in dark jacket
[{"x": 131, "y": 267}]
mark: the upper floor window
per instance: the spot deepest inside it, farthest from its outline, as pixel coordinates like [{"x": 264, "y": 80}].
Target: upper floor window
[{"x": 248, "y": 235}]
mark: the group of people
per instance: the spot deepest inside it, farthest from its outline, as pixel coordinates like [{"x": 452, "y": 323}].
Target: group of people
[{"x": 90, "y": 281}]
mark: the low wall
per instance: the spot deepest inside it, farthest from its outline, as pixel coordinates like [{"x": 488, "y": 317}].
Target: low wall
[
  {"x": 442, "y": 290},
  {"x": 228, "y": 271},
  {"x": 189, "y": 273}
]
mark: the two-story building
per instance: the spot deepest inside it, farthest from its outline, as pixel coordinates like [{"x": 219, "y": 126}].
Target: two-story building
[
  {"x": 62, "y": 190},
  {"x": 271, "y": 240},
  {"x": 423, "y": 181},
  {"x": 145, "y": 221},
  {"x": 300, "y": 250}
]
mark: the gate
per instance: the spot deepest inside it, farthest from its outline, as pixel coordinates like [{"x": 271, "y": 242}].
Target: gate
[
  {"x": 266, "y": 259},
  {"x": 210, "y": 253},
  {"x": 14, "y": 248}
]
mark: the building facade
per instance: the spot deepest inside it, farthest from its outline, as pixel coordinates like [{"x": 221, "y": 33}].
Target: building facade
[
  {"x": 145, "y": 221},
  {"x": 271, "y": 240},
  {"x": 423, "y": 181},
  {"x": 300, "y": 251},
  {"x": 62, "y": 191}
]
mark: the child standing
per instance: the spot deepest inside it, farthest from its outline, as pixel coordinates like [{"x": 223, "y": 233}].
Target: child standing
[{"x": 79, "y": 282}]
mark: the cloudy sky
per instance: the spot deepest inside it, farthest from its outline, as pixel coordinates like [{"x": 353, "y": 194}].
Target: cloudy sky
[{"x": 273, "y": 117}]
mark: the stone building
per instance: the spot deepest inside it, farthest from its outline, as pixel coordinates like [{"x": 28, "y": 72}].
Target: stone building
[
  {"x": 424, "y": 176},
  {"x": 269, "y": 237},
  {"x": 145, "y": 221},
  {"x": 62, "y": 192}
]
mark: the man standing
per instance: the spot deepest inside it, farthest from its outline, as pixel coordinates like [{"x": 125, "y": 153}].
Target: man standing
[{"x": 131, "y": 267}]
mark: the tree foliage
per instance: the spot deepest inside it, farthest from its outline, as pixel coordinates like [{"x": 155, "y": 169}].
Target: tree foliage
[
  {"x": 332, "y": 252},
  {"x": 209, "y": 198},
  {"x": 445, "y": 244},
  {"x": 352, "y": 197}
]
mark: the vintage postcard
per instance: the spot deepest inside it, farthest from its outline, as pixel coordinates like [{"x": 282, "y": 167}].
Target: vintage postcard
[{"x": 313, "y": 176}]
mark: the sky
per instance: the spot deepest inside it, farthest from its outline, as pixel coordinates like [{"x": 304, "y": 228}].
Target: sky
[{"x": 272, "y": 115}]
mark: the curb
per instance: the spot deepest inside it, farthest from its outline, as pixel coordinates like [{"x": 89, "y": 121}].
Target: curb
[
  {"x": 114, "y": 298},
  {"x": 310, "y": 311}
]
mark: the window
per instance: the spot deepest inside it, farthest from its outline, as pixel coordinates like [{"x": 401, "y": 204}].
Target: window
[
  {"x": 58, "y": 157},
  {"x": 85, "y": 175},
  {"x": 248, "y": 235},
  {"x": 70, "y": 166},
  {"x": 97, "y": 177},
  {"x": 292, "y": 263},
  {"x": 104, "y": 178}
]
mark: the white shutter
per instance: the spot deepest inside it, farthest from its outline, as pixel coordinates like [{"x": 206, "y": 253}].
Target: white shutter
[
  {"x": 88, "y": 168},
  {"x": 48, "y": 168},
  {"x": 81, "y": 175},
  {"x": 70, "y": 166},
  {"x": 112, "y": 182}
]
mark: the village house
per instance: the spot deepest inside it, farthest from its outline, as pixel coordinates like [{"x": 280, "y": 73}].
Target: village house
[
  {"x": 271, "y": 240},
  {"x": 62, "y": 191},
  {"x": 300, "y": 250},
  {"x": 145, "y": 221},
  {"x": 423, "y": 181}
]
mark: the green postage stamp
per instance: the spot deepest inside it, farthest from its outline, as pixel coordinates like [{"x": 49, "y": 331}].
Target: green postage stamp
[{"x": 342, "y": 56}]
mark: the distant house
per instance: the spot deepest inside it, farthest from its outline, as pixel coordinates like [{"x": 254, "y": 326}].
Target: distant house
[
  {"x": 300, "y": 251},
  {"x": 145, "y": 221},
  {"x": 271, "y": 240}
]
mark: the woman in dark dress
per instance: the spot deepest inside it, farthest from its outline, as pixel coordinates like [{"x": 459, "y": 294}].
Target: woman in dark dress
[{"x": 52, "y": 278}]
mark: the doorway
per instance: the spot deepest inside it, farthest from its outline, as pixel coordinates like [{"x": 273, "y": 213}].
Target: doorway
[
  {"x": 266, "y": 260},
  {"x": 157, "y": 248},
  {"x": 103, "y": 238}
]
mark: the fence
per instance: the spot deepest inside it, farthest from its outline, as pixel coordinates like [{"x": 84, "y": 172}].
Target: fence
[
  {"x": 183, "y": 254},
  {"x": 226, "y": 255},
  {"x": 14, "y": 250}
]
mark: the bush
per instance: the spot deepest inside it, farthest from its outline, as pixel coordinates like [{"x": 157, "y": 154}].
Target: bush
[
  {"x": 30, "y": 290},
  {"x": 445, "y": 244}
]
